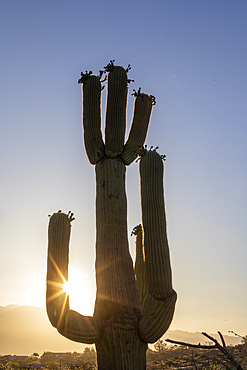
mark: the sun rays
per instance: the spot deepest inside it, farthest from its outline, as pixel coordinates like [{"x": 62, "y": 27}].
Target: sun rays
[{"x": 56, "y": 286}]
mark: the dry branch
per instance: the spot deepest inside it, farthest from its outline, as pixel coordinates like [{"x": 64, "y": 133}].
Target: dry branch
[{"x": 216, "y": 345}]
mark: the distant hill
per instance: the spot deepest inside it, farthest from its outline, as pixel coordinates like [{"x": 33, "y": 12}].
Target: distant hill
[{"x": 25, "y": 329}]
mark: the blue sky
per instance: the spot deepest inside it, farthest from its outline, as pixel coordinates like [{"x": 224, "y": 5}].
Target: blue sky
[{"x": 192, "y": 56}]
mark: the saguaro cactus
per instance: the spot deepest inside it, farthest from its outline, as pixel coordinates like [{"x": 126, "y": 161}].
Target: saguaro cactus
[{"x": 134, "y": 305}]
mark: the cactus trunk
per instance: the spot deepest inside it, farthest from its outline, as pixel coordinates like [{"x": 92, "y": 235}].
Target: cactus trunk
[
  {"x": 117, "y": 300},
  {"x": 121, "y": 347},
  {"x": 116, "y": 287}
]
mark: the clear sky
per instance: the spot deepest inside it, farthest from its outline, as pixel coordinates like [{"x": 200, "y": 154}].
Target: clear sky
[{"x": 192, "y": 56}]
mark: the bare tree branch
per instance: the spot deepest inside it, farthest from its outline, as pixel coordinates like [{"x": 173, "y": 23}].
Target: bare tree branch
[
  {"x": 190, "y": 345},
  {"x": 222, "y": 339},
  {"x": 217, "y": 345}
]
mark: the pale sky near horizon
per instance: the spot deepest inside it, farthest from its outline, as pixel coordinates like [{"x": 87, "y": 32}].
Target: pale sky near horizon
[{"x": 192, "y": 56}]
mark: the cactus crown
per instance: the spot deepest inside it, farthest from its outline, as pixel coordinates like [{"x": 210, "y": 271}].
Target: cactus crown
[{"x": 115, "y": 123}]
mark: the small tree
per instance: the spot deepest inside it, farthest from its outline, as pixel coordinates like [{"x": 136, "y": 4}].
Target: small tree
[
  {"x": 160, "y": 346},
  {"x": 52, "y": 365},
  {"x": 13, "y": 365}
]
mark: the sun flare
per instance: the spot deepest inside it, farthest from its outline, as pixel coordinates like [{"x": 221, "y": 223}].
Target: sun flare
[{"x": 78, "y": 289}]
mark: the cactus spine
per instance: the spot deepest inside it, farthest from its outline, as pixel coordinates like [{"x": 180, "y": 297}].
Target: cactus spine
[{"x": 133, "y": 307}]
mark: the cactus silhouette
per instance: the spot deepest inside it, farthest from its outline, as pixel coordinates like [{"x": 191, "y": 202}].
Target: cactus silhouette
[{"x": 134, "y": 305}]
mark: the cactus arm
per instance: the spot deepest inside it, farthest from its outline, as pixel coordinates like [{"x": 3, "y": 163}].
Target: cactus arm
[
  {"x": 157, "y": 314},
  {"x": 115, "y": 124},
  {"x": 158, "y": 306},
  {"x": 80, "y": 328},
  {"x": 156, "y": 248},
  {"x": 140, "y": 262},
  {"x": 93, "y": 141},
  {"x": 69, "y": 323},
  {"x": 157, "y": 317},
  {"x": 57, "y": 267},
  {"x": 139, "y": 127}
]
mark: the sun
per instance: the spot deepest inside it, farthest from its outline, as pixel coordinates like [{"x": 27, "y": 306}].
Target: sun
[
  {"x": 78, "y": 289},
  {"x": 66, "y": 287}
]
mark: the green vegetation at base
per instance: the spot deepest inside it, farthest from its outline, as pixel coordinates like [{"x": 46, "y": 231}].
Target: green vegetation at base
[{"x": 52, "y": 360}]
